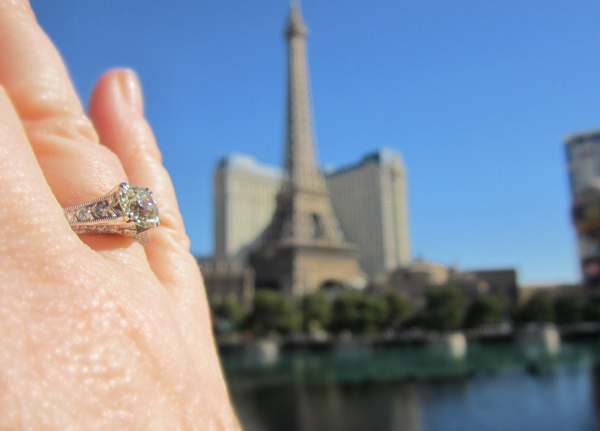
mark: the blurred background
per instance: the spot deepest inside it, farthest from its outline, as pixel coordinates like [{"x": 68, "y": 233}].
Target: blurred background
[{"x": 396, "y": 207}]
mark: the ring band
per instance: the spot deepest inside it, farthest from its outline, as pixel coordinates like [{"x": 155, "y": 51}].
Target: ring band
[{"x": 127, "y": 210}]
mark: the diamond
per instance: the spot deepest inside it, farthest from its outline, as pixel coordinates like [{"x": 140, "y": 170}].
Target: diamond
[
  {"x": 71, "y": 217},
  {"x": 103, "y": 209},
  {"x": 84, "y": 214},
  {"x": 139, "y": 206}
]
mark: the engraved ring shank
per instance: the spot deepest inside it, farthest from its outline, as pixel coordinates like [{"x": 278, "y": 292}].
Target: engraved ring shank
[{"x": 127, "y": 210}]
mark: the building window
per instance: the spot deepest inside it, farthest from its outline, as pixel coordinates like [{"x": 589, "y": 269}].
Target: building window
[{"x": 317, "y": 226}]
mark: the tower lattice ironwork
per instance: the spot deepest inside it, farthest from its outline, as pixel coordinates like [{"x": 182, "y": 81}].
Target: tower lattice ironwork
[{"x": 303, "y": 247}]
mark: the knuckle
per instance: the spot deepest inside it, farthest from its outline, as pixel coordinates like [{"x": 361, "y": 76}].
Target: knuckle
[
  {"x": 70, "y": 127},
  {"x": 99, "y": 169},
  {"x": 107, "y": 158},
  {"x": 185, "y": 242},
  {"x": 77, "y": 170},
  {"x": 174, "y": 239},
  {"x": 171, "y": 235},
  {"x": 168, "y": 220},
  {"x": 141, "y": 141}
]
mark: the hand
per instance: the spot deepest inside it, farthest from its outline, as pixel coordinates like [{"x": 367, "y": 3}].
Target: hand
[{"x": 96, "y": 332}]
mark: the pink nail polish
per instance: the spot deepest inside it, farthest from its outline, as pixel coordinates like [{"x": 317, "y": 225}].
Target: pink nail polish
[{"x": 131, "y": 91}]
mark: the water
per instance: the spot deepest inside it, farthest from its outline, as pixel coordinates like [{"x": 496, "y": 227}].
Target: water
[{"x": 497, "y": 387}]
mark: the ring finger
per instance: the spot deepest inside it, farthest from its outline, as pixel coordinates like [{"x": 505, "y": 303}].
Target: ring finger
[{"x": 75, "y": 165}]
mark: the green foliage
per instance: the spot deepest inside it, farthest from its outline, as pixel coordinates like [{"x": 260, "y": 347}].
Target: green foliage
[
  {"x": 569, "y": 309},
  {"x": 591, "y": 311},
  {"x": 316, "y": 311},
  {"x": 485, "y": 310},
  {"x": 347, "y": 313},
  {"x": 359, "y": 313},
  {"x": 273, "y": 312},
  {"x": 398, "y": 310},
  {"x": 230, "y": 309},
  {"x": 539, "y": 308},
  {"x": 374, "y": 313},
  {"x": 445, "y": 309}
]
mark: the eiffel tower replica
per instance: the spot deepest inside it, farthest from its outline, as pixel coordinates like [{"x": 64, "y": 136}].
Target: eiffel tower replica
[{"x": 303, "y": 247}]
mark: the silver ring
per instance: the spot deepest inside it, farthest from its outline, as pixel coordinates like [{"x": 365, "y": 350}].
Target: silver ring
[{"x": 127, "y": 210}]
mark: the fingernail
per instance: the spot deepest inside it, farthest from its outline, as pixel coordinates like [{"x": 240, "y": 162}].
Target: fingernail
[{"x": 131, "y": 91}]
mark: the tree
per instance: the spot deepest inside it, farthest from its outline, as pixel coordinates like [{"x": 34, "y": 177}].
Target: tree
[
  {"x": 445, "y": 309},
  {"x": 230, "y": 310},
  {"x": 539, "y": 308},
  {"x": 374, "y": 313},
  {"x": 591, "y": 311},
  {"x": 398, "y": 310},
  {"x": 347, "y": 312},
  {"x": 272, "y": 312},
  {"x": 568, "y": 309},
  {"x": 484, "y": 310},
  {"x": 359, "y": 313},
  {"x": 316, "y": 311}
]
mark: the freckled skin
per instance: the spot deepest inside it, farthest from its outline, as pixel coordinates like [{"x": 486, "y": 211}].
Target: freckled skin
[{"x": 96, "y": 332}]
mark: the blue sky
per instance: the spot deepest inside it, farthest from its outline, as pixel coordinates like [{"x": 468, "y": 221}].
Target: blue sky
[{"x": 476, "y": 95}]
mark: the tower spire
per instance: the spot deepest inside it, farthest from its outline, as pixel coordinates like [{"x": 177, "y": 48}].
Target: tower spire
[
  {"x": 303, "y": 246},
  {"x": 295, "y": 24},
  {"x": 299, "y": 161}
]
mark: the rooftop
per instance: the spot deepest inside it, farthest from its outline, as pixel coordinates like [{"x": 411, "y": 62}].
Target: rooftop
[
  {"x": 248, "y": 163},
  {"x": 381, "y": 156},
  {"x": 578, "y": 138}
]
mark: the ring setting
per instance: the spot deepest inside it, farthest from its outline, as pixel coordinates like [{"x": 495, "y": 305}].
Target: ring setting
[{"x": 127, "y": 210}]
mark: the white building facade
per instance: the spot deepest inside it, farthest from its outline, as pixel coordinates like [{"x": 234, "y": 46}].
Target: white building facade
[
  {"x": 244, "y": 194},
  {"x": 369, "y": 200}
]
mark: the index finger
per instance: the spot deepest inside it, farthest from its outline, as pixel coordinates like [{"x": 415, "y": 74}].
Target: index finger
[{"x": 75, "y": 165}]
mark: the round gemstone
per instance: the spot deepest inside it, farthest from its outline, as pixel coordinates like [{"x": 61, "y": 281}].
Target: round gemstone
[
  {"x": 84, "y": 214},
  {"x": 138, "y": 204}
]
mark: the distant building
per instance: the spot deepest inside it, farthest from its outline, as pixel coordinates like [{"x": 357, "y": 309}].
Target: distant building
[
  {"x": 414, "y": 280},
  {"x": 369, "y": 199},
  {"x": 303, "y": 247},
  {"x": 583, "y": 158},
  {"x": 298, "y": 228},
  {"x": 500, "y": 282},
  {"x": 227, "y": 280},
  {"x": 526, "y": 292},
  {"x": 244, "y": 194},
  {"x": 418, "y": 277}
]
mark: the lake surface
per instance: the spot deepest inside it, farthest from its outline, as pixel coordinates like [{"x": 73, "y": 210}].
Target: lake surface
[{"x": 506, "y": 386}]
